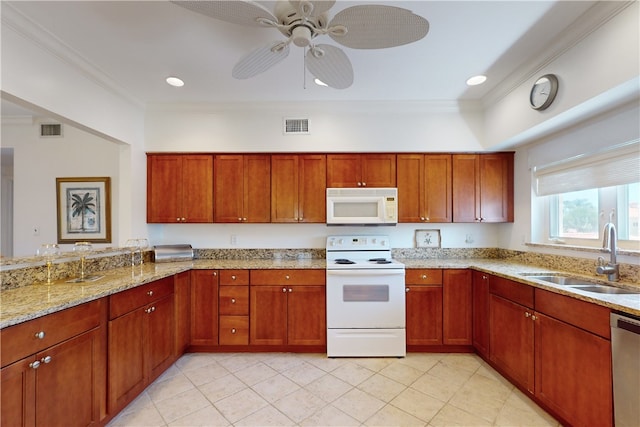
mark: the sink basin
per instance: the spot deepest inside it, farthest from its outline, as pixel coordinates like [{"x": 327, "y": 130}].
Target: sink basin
[
  {"x": 603, "y": 289},
  {"x": 563, "y": 280}
]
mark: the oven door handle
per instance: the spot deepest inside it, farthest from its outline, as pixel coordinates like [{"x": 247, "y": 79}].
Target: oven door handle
[{"x": 366, "y": 272}]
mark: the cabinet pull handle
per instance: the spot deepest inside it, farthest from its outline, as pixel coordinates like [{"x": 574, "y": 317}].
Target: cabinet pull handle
[
  {"x": 233, "y": 300},
  {"x": 40, "y": 335},
  {"x": 233, "y": 330},
  {"x": 150, "y": 293},
  {"x": 46, "y": 359},
  {"x": 34, "y": 365}
]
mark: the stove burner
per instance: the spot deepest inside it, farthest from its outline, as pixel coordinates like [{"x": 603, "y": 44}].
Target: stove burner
[
  {"x": 344, "y": 261},
  {"x": 380, "y": 260}
]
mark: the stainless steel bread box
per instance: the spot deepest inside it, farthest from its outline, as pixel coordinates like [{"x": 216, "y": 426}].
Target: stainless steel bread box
[{"x": 172, "y": 253}]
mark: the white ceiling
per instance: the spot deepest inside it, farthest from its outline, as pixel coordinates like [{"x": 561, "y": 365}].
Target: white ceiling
[{"x": 137, "y": 44}]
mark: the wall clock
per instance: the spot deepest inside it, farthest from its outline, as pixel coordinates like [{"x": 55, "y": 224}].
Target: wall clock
[{"x": 543, "y": 92}]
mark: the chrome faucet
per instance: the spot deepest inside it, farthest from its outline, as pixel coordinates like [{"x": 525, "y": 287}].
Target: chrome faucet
[{"x": 609, "y": 245}]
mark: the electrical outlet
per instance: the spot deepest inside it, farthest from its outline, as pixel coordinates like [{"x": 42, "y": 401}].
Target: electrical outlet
[
  {"x": 468, "y": 238},
  {"x": 234, "y": 239},
  {"x": 36, "y": 230}
]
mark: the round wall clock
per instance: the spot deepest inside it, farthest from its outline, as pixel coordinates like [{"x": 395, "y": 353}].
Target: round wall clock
[{"x": 543, "y": 92}]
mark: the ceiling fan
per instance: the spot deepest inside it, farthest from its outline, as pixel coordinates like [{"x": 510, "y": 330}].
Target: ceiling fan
[{"x": 359, "y": 27}]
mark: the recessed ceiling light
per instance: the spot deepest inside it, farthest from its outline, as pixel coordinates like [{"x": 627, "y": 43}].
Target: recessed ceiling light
[
  {"x": 476, "y": 80},
  {"x": 174, "y": 81},
  {"x": 320, "y": 82}
]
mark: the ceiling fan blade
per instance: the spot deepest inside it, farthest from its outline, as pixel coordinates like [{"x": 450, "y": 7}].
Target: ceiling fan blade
[
  {"x": 378, "y": 27},
  {"x": 260, "y": 60},
  {"x": 243, "y": 12},
  {"x": 318, "y": 6},
  {"x": 330, "y": 65}
]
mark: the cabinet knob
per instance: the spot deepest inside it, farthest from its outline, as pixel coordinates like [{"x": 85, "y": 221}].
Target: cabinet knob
[
  {"x": 286, "y": 277},
  {"x": 233, "y": 277},
  {"x": 178, "y": 219},
  {"x": 215, "y": 273},
  {"x": 233, "y": 330},
  {"x": 534, "y": 317},
  {"x": 46, "y": 359},
  {"x": 284, "y": 289},
  {"x": 244, "y": 219},
  {"x": 407, "y": 289},
  {"x": 183, "y": 219},
  {"x": 422, "y": 218},
  {"x": 34, "y": 365},
  {"x": 290, "y": 290},
  {"x": 150, "y": 293},
  {"x": 40, "y": 335},
  {"x": 150, "y": 310},
  {"x": 427, "y": 219},
  {"x": 424, "y": 277},
  {"x": 359, "y": 184},
  {"x": 484, "y": 277},
  {"x": 233, "y": 300},
  {"x": 527, "y": 314}
]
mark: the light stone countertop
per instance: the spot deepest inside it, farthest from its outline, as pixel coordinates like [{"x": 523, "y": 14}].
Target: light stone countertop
[{"x": 29, "y": 302}]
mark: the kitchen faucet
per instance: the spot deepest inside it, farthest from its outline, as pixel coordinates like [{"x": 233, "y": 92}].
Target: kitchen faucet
[{"x": 610, "y": 245}]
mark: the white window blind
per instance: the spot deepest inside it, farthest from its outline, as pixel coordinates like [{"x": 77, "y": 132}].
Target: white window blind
[{"x": 616, "y": 165}]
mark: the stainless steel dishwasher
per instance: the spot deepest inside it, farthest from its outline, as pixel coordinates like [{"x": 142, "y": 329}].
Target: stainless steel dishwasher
[{"x": 625, "y": 355}]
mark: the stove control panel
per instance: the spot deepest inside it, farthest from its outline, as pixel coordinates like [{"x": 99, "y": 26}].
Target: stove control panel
[{"x": 358, "y": 242}]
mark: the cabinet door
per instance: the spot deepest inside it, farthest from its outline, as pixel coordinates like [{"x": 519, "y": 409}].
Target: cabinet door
[
  {"x": 481, "y": 312},
  {"x": 343, "y": 170},
  {"x": 257, "y": 188},
  {"x": 197, "y": 188},
  {"x": 424, "y": 315},
  {"x": 378, "y": 170},
  {"x": 312, "y": 202},
  {"x": 496, "y": 187},
  {"x": 466, "y": 204},
  {"x": 306, "y": 318},
  {"x": 204, "y": 307},
  {"x": 410, "y": 179},
  {"x": 457, "y": 307},
  {"x": 573, "y": 372},
  {"x": 164, "y": 188},
  {"x": 71, "y": 380},
  {"x": 182, "y": 311},
  {"x": 159, "y": 336},
  {"x": 284, "y": 188},
  {"x": 126, "y": 359},
  {"x": 229, "y": 188},
  {"x": 437, "y": 188},
  {"x": 268, "y": 315},
  {"x": 17, "y": 394},
  {"x": 511, "y": 340}
]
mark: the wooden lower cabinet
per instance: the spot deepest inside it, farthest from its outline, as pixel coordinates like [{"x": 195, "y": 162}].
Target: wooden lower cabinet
[
  {"x": 456, "y": 307},
  {"x": 480, "y": 314},
  {"x": 287, "y": 307},
  {"x": 204, "y": 307},
  {"x": 141, "y": 339},
  {"x": 424, "y": 307},
  {"x": 183, "y": 312},
  {"x": 44, "y": 388}
]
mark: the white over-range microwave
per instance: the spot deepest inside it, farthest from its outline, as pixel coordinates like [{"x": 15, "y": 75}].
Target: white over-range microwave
[{"x": 362, "y": 206}]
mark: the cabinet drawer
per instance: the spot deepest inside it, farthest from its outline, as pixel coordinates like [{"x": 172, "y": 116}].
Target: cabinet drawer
[
  {"x": 30, "y": 337},
  {"x": 582, "y": 314},
  {"x": 283, "y": 277},
  {"x": 234, "y": 330},
  {"x": 234, "y": 277},
  {"x": 513, "y": 291},
  {"x": 234, "y": 300},
  {"x": 126, "y": 301},
  {"x": 423, "y": 277}
]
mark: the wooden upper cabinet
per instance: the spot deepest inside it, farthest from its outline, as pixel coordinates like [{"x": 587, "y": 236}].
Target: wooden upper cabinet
[
  {"x": 298, "y": 184},
  {"x": 483, "y": 187},
  {"x": 179, "y": 188},
  {"x": 424, "y": 188},
  {"x": 242, "y": 188},
  {"x": 361, "y": 170}
]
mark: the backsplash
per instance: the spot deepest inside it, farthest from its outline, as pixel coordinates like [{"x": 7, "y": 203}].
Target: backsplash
[{"x": 35, "y": 271}]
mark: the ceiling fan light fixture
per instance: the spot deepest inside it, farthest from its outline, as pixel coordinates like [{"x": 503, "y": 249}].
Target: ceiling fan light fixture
[
  {"x": 174, "y": 81},
  {"x": 301, "y": 36},
  {"x": 476, "y": 80}
]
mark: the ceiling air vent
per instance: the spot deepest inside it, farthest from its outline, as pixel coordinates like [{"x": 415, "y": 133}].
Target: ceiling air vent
[
  {"x": 50, "y": 129},
  {"x": 296, "y": 126}
]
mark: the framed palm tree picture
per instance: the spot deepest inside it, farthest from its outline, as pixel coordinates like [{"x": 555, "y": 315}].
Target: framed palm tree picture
[{"x": 84, "y": 209}]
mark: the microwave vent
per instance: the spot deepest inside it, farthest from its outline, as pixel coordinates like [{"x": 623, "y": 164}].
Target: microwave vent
[
  {"x": 294, "y": 126},
  {"x": 50, "y": 129}
]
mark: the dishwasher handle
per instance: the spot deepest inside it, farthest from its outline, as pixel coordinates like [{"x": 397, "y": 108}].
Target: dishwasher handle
[{"x": 626, "y": 322}]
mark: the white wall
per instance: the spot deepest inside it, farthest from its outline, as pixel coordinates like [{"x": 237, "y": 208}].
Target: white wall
[{"x": 38, "y": 162}]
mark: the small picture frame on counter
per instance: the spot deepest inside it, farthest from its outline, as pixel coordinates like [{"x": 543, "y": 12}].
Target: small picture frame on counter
[{"x": 428, "y": 238}]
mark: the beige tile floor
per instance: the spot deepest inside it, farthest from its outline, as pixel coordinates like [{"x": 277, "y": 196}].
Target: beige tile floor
[{"x": 283, "y": 389}]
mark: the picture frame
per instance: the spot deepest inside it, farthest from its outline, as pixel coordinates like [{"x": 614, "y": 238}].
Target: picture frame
[
  {"x": 428, "y": 239},
  {"x": 84, "y": 209}
]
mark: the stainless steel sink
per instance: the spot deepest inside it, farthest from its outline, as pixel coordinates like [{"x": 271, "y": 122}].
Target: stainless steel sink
[
  {"x": 604, "y": 289},
  {"x": 582, "y": 284}
]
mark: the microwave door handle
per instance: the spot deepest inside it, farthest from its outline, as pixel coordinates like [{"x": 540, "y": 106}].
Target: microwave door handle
[{"x": 366, "y": 272}]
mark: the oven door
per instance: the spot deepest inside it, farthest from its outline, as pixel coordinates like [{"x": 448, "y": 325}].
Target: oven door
[{"x": 365, "y": 299}]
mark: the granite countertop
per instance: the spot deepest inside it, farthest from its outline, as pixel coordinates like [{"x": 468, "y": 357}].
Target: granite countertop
[{"x": 29, "y": 302}]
